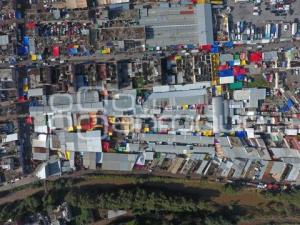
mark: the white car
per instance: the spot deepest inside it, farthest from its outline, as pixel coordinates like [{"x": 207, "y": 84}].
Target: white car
[
  {"x": 256, "y": 11},
  {"x": 261, "y": 186}
]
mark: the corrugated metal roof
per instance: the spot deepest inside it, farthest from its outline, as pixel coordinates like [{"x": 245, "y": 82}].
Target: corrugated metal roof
[
  {"x": 185, "y": 139},
  {"x": 285, "y": 153},
  {"x": 238, "y": 166},
  {"x": 171, "y": 26},
  {"x": 118, "y": 162},
  {"x": 226, "y": 58},
  {"x": 35, "y": 92},
  {"x": 86, "y": 107},
  {"x": 201, "y": 167},
  {"x": 40, "y": 156},
  {"x": 81, "y": 142},
  {"x": 175, "y": 98},
  {"x": 240, "y": 152},
  {"x": 277, "y": 168},
  {"x": 77, "y": 98},
  {"x": 270, "y": 56},
  {"x": 294, "y": 173},
  {"x": 218, "y": 114},
  {"x": 62, "y": 121},
  {"x": 4, "y": 40},
  {"x": 89, "y": 160},
  {"x": 250, "y": 94}
]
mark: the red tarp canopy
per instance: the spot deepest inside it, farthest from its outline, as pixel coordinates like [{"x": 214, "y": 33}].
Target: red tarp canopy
[
  {"x": 30, "y": 25},
  {"x": 105, "y": 146},
  {"x": 236, "y": 70},
  {"x": 223, "y": 67},
  {"x": 29, "y": 120},
  {"x": 206, "y": 48},
  {"x": 22, "y": 99},
  {"x": 86, "y": 124},
  {"x": 70, "y": 46},
  {"x": 172, "y": 58},
  {"x": 243, "y": 71},
  {"x": 55, "y": 51},
  {"x": 256, "y": 57}
]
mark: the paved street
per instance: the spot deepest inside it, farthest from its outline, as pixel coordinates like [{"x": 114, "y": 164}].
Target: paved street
[{"x": 19, "y": 183}]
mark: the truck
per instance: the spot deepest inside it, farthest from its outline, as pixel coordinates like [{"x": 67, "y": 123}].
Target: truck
[
  {"x": 238, "y": 27},
  {"x": 294, "y": 29},
  {"x": 276, "y": 34},
  {"x": 273, "y": 31},
  {"x": 268, "y": 31},
  {"x": 242, "y": 26}
]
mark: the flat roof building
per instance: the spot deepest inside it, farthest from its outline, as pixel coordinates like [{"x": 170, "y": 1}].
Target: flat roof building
[
  {"x": 118, "y": 162},
  {"x": 178, "y": 25}
]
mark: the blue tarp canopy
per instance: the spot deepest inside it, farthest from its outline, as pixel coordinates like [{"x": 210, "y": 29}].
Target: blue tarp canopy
[
  {"x": 240, "y": 77},
  {"x": 18, "y": 14},
  {"x": 228, "y": 44},
  {"x": 26, "y": 41},
  {"x": 241, "y": 134},
  {"x": 231, "y": 63},
  {"x": 72, "y": 51},
  {"x": 81, "y": 81},
  {"x": 287, "y": 106},
  {"x": 226, "y": 73},
  {"x": 290, "y": 103},
  {"x": 23, "y": 50},
  {"x": 190, "y": 46},
  {"x": 215, "y": 48}
]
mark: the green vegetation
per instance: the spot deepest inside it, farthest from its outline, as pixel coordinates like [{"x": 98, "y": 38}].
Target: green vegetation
[
  {"x": 258, "y": 81},
  {"x": 156, "y": 200},
  {"x": 231, "y": 189}
]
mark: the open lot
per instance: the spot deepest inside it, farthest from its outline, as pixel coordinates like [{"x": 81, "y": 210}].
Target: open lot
[{"x": 244, "y": 11}]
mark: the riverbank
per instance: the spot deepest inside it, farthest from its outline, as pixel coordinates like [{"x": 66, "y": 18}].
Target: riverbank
[{"x": 236, "y": 205}]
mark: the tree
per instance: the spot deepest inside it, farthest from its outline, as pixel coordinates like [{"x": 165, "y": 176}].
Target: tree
[
  {"x": 33, "y": 203},
  {"x": 85, "y": 217}
]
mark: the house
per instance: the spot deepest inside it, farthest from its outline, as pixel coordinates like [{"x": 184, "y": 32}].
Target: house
[{"x": 7, "y": 163}]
